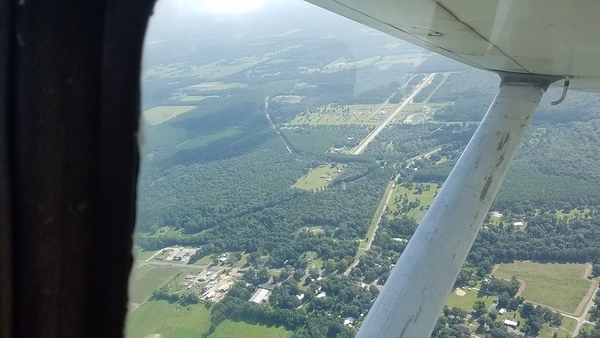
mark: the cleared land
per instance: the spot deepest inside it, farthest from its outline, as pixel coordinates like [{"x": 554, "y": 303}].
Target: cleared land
[
  {"x": 169, "y": 320},
  {"x": 158, "y": 115},
  {"x": 345, "y": 63},
  {"x": 288, "y": 98},
  {"x": 141, "y": 255},
  {"x": 318, "y": 178},
  {"x": 561, "y": 286},
  {"x": 410, "y": 195},
  {"x": 332, "y": 114},
  {"x": 148, "y": 278},
  {"x": 204, "y": 86},
  {"x": 575, "y": 213},
  {"x": 414, "y": 59},
  {"x": 565, "y": 330},
  {"x": 214, "y": 70},
  {"x": 230, "y": 329},
  {"x": 467, "y": 301}
]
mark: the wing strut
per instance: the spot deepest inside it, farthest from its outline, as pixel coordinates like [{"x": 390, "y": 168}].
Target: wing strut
[{"x": 414, "y": 294}]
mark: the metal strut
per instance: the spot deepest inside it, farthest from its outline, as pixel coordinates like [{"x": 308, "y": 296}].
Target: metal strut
[
  {"x": 416, "y": 290},
  {"x": 564, "y": 91}
]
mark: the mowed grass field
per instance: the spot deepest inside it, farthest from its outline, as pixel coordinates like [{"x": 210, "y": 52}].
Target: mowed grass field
[
  {"x": 467, "y": 301},
  {"x": 561, "y": 286},
  {"x": 160, "y": 114},
  {"x": 564, "y": 331},
  {"x": 231, "y": 329},
  {"x": 358, "y": 114},
  {"x": 148, "y": 278},
  {"x": 316, "y": 178},
  {"x": 169, "y": 320}
]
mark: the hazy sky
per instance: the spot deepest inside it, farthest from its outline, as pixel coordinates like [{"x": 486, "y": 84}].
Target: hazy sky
[{"x": 175, "y": 19}]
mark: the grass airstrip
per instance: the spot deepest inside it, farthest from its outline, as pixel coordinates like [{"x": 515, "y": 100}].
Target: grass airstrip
[{"x": 561, "y": 286}]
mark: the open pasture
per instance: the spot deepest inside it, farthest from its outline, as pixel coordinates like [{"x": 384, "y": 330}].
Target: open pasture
[
  {"x": 169, "y": 320},
  {"x": 400, "y": 194},
  {"x": 318, "y": 178},
  {"x": 561, "y": 286},
  {"x": 147, "y": 278},
  {"x": 229, "y": 329}
]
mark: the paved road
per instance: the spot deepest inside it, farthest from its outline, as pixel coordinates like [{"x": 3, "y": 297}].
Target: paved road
[{"x": 426, "y": 81}]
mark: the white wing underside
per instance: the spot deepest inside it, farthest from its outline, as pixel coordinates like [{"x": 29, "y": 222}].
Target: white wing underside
[{"x": 550, "y": 37}]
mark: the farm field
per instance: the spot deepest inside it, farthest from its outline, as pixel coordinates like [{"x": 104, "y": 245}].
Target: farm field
[
  {"x": 214, "y": 70},
  {"x": 169, "y": 320},
  {"x": 318, "y": 177},
  {"x": 158, "y": 115},
  {"x": 148, "y": 278},
  {"x": 231, "y": 329},
  {"x": 425, "y": 200},
  {"x": 561, "y": 286},
  {"x": 359, "y": 114}
]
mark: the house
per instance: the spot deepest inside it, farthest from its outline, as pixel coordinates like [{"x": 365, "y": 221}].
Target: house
[
  {"x": 502, "y": 311},
  {"x": 300, "y": 296},
  {"x": 463, "y": 328},
  {"x": 518, "y": 224},
  {"x": 322, "y": 294},
  {"x": 510, "y": 323},
  {"x": 348, "y": 321}
]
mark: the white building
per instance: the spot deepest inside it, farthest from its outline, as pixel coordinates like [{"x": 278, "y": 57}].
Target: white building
[
  {"x": 259, "y": 295},
  {"x": 510, "y": 323}
]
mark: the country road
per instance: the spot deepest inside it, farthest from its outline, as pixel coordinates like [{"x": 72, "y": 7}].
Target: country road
[
  {"x": 381, "y": 211},
  {"x": 426, "y": 81},
  {"x": 581, "y": 319}
]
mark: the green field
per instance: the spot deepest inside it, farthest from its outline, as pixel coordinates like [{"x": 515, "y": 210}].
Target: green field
[
  {"x": 561, "y": 286},
  {"x": 345, "y": 63},
  {"x": 214, "y": 70},
  {"x": 148, "y": 278},
  {"x": 169, "y": 320},
  {"x": 572, "y": 214},
  {"x": 467, "y": 301},
  {"x": 141, "y": 255},
  {"x": 191, "y": 98},
  {"x": 564, "y": 331},
  {"x": 317, "y": 178},
  {"x": 158, "y": 115},
  {"x": 230, "y": 329},
  {"x": 359, "y": 114},
  {"x": 425, "y": 200}
]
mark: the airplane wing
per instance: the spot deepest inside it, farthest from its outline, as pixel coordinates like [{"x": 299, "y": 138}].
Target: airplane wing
[
  {"x": 552, "y": 37},
  {"x": 530, "y": 44}
]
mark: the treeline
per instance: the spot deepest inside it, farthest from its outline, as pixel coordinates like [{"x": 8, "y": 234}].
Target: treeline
[
  {"x": 317, "y": 316},
  {"x": 545, "y": 238}
]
